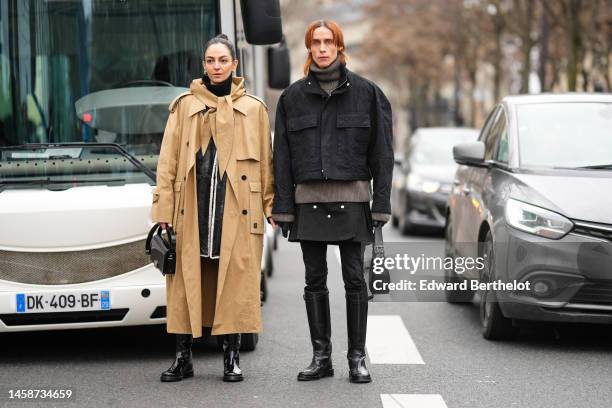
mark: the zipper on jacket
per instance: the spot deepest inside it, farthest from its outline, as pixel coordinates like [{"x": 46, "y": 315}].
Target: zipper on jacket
[
  {"x": 326, "y": 100},
  {"x": 339, "y": 86}
]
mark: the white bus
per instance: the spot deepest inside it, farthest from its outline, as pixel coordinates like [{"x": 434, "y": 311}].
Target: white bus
[{"x": 84, "y": 93}]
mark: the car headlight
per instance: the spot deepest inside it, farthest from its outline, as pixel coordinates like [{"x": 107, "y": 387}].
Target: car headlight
[
  {"x": 536, "y": 220},
  {"x": 417, "y": 183}
]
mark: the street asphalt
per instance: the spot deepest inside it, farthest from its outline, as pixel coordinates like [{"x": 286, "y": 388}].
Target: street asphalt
[{"x": 567, "y": 366}]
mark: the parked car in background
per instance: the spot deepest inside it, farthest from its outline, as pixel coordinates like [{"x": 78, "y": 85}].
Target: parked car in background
[
  {"x": 423, "y": 180},
  {"x": 534, "y": 194}
]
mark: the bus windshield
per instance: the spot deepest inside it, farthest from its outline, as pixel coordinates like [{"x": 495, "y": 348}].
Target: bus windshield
[{"x": 98, "y": 71}]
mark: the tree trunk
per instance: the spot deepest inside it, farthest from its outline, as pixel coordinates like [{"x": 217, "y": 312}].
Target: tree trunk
[
  {"x": 543, "y": 63},
  {"x": 608, "y": 75},
  {"x": 472, "y": 75},
  {"x": 498, "y": 56},
  {"x": 575, "y": 44},
  {"x": 527, "y": 45},
  {"x": 458, "y": 57}
]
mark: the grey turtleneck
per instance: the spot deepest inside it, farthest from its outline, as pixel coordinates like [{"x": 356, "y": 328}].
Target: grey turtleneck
[{"x": 327, "y": 78}]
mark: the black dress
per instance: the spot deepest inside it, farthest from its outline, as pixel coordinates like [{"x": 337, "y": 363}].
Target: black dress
[{"x": 332, "y": 222}]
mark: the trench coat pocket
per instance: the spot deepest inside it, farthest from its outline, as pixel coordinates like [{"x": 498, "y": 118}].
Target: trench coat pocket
[
  {"x": 256, "y": 208},
  {"x": 178, "y": 205}
]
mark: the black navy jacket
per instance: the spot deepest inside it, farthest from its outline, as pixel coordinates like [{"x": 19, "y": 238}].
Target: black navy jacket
[{"x": 343, "y": 136}]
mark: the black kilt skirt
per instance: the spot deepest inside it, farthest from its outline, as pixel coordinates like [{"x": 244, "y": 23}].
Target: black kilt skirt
[{"x": 332, "y": 222}]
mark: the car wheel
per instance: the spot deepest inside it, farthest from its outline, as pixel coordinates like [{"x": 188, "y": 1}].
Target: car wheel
[
  {"x": 248, "y": 341},
  {"x": 394, "y": 221},
  {"x": 405, "y": 226},
  {"x": 270, "y": 263},
  {"x": 495, "y": 326},
  {"x": 263, "y": 286},
  {"x": 453, "y": 296}
]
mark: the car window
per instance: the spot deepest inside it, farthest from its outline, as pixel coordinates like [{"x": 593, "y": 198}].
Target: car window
[
  {"x": 487, "y": 125},
  {"x": 502, "y": 148},
  {"x": 499, "y": 136},
  {"x": 565, "y": 134},
  {"x": 493, "y": 133}
]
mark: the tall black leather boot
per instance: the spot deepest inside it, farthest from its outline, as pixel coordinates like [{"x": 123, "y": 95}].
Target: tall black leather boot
[
  {"x": 231, "y": 358},
  {"x": 183, "y": 365},
  {"x": 357, "y": 320},
  {"x": 319, "y": 322}
]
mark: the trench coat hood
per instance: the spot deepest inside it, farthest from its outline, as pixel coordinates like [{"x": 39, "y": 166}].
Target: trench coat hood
[{"x": 239, "y": 126}]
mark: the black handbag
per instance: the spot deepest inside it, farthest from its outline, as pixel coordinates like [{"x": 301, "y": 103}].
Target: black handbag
[
  {"x": 162, "y": 251},
  {"x": 383, "y": 277}
]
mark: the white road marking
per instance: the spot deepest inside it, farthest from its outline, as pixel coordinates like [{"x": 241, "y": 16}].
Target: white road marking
[
  {"x": 337, "y": 252},
  {"x": 388, "y": 341},
  {"x": 412, "y": 401}
]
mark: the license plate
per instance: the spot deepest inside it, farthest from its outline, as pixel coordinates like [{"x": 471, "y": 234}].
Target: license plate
[{"x": 46, "y": 302}]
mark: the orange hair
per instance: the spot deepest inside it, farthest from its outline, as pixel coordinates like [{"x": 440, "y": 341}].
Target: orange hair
[{"x": 338, "y": 40}]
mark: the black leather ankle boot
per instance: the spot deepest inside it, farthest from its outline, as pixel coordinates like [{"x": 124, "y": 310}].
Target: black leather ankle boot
[
  {"x": 356, "y": 321},
  {"x": 182, "y": 366},
  {"x": 231, "y": 358},
  {"x": 319, "y": 322}
]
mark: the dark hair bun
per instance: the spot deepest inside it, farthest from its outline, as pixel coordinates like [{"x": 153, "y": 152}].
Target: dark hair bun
[{"x": 221, "y": 39}]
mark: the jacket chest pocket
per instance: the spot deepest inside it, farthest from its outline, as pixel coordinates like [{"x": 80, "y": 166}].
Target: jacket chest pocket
[
  {"x": 256, "y": 218},
  {"x": 353, "y": 132},
  {"x": 303, "y": 137}
]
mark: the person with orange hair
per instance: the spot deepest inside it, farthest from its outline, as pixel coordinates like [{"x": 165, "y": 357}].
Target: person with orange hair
[{"x": 333, "y": 136}]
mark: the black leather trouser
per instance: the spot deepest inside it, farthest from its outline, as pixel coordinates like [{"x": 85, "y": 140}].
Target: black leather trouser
[{"x": 315, "y": 262}]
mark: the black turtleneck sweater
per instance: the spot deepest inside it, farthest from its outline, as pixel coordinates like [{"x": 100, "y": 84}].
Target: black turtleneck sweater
[
  {"x": 211, "y": 188},
  {"x": 222, "y": 89}
]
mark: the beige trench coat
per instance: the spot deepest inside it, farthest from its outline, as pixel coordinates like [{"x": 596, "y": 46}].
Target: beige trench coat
[{"x": 239, "y": 125}]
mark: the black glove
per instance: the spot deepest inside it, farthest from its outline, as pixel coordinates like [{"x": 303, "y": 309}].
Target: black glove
[
  {"x": 285, "y": 226},
  {"x": 376, "y": 223}
]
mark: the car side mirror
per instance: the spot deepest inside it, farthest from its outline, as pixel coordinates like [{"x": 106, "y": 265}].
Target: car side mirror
[{"x": 470, "y": 154}]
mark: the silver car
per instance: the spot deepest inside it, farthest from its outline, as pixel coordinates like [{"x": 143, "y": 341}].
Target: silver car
[
  {"x": 423, "y": 180},
  {"x": 532, "y": 198}
]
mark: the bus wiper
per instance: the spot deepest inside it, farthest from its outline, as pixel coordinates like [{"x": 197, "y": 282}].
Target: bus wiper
[
  {"x": 41, "y": 181},
  {"x": 598, "y": 167},
  {"x": 47, "y": 181},
  {"x": 113, "y": 146}
]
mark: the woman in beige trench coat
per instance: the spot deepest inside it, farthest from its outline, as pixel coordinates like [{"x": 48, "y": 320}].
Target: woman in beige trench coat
[{"x": 214, "y": 186}]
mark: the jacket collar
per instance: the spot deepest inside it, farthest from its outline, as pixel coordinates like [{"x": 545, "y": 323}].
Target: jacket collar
[{"x": 311, "y": 85}]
